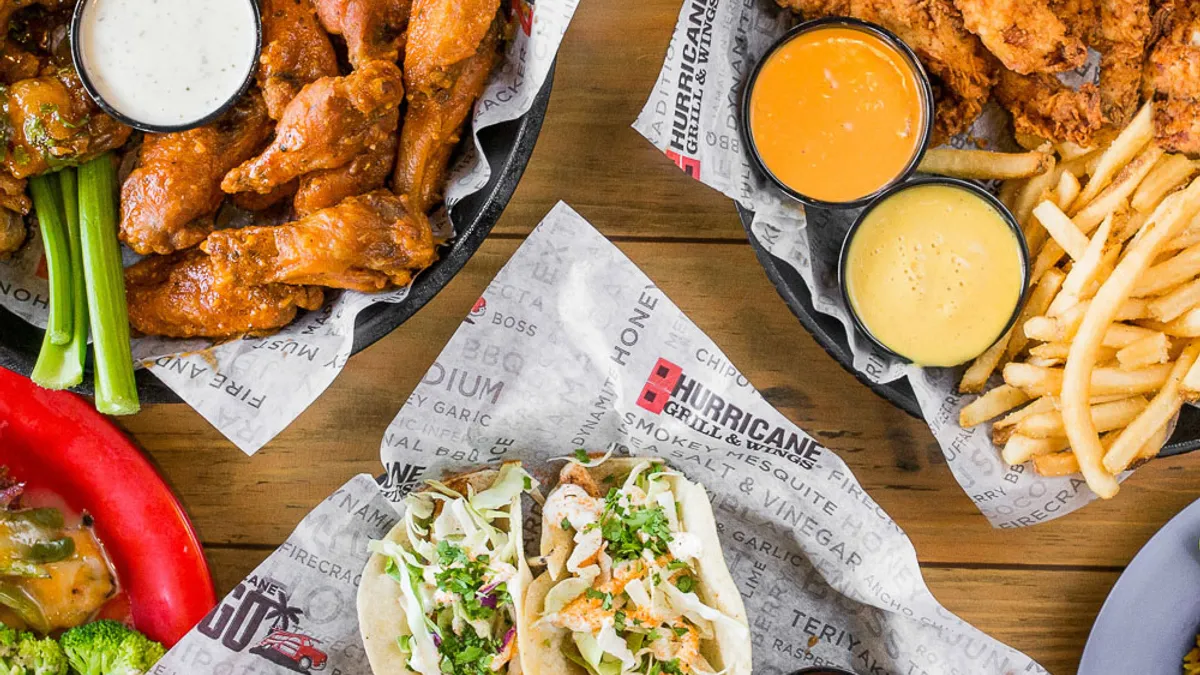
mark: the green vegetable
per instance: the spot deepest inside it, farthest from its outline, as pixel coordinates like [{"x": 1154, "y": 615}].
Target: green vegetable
[
  {"x": 23, "y": 653},
  {"x": 77, "y": 347},
  {"x": 624, "y": 528},
  {"x": 109, "y": 648},
  {"x": 47, "y": 200},
  {"x": 116, "y": 389}
]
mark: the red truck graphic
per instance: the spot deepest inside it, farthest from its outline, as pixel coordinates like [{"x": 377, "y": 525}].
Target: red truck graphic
[{"x": 291, "y": 650}]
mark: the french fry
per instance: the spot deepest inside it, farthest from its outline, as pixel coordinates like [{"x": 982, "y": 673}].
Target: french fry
[
  {"x": 1079, "y": 379},
  {"x": 1061, "y": 229},
  {"x": 1037, "y": 382},
  {"x": 1175, "y": 303},
  {"x": 1085, "y": 270},
  {"x": 1069, "y": 150},
  {"x": 1124, "y": 148},
  {"x": 1149, "y": 351},
  {"x": 1057, "y": 464},
  {"x": 1088, "y": 215},
  {"x": 1058, "y": 350},
  {"x": 1067, "y": 190},
  {"x": 992, "y": 404},
  {"x": 1043, "y": 404},
  {"x": 1190, "y": 387},
  {"x": 977, "y": 374},
  {"x": 1129, "y": 225},
  {"x": 1030, "y": 141},
  {"x": 1032, "y": 192},
  {"x": 1181, "y": 268},
  {"x": 1044, "y": 362},
  {"x": 1105, "y": 417},
  {"x": 1189, "y": 237},
  {"x": 984, "y": 164},
  {"x": 1154, "y": 444},
  {"x": 1186, "y": 326},
  {"x": 1047, "y": 258},
  {"x": 1019, "y": 449},
  {"x": 1000, "y": 436},
  {"x": 1045, "y": 290},
  {"x": 1158, "y": 414},
  {"x": 1010, "y": 190},
  {"x": 1170, "y": 172}
]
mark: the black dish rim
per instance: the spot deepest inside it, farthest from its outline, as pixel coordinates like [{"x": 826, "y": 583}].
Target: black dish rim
[
  {"x": 831, "y": 336},
  {"x": 927, "y": 100},
  {"x": 508, "y": 147},
  {"x": 90, "y": 87}
]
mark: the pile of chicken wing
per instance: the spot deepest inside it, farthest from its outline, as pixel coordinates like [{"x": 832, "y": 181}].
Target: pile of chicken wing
[
  {"x": 338, "y": 153},
  {"x": 1014, "y": 50}
]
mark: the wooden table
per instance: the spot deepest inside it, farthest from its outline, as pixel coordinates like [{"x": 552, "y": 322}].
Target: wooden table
[{"x": 1036, "y": 589}]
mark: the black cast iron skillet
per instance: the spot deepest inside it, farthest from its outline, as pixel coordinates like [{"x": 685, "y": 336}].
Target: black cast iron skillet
[
  {"x": 507, "y": 146},
  {"x": 829, "y": 333}
]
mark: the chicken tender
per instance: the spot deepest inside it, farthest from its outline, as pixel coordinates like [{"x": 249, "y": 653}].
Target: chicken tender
[
  {"x": 168, "y": 202},
  {"x": 1172, "y": 78},
  {"x": 1124, "y": 33},
  {"x": 181, "y": 296},
  {"x": 1042, "y": 106},
  {"x": 367, "y": 243},
  {"x": 328, "y": 124},
  {"x": 1025, "y": 35}
]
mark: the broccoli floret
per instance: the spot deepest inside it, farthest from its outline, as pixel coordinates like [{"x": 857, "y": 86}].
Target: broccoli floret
[
  {"x": 109, "y": 648},
  {"x": 41, "y": 656},
  {"x": 23, "y": 653}
]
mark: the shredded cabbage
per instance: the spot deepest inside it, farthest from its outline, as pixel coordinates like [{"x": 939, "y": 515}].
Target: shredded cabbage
[{"x": 512, "y": 481}]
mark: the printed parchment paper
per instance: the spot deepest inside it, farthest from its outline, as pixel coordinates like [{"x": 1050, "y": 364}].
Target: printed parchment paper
[
  {"x": 572, "y": 346},
  {"x": 692, "y": 116},
  {"x": 251, "y": 389}
]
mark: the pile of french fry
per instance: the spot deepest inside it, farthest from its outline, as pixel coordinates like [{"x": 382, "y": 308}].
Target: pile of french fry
[{"x": 1104, "y": 352}]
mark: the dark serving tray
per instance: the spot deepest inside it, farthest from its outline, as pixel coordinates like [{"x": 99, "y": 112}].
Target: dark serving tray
[
  {"x": 829, "y": 333},
  {"x": 507, "y": 146}
]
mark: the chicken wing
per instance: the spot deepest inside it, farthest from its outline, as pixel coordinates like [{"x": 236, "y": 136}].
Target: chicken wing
[
  {"x": 365, "y": 173},
  {"x": 330, "y": 122},
  {"x": 451, "y": 53},
  {"x": 1044, "y": 107},
  {"x": 16, "y": 64},
  {"x": 12, "y": 232},
  {"x": 296, "y": 52},
  {"x": 961, "y": 71},
  {"x": 1122, "y": 40},
  {"x": 1025, "y": 35},
  {"x": 54, "y": 123},
  {"x": 12, "y": 194},
  {"x": 168, "y": 202},
  {"x": 1172, "y": 78},
  {"x": 366, "y": 243},
  {"x": 373, "y": 29},
  {"x": 181, "y": 296}
]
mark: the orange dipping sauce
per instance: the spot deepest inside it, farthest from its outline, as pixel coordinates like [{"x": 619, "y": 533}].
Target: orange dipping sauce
[{"x": 837, "y": 113}]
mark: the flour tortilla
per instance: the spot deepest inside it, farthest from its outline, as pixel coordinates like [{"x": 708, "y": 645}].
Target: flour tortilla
[
  {"x": 380, "y": 613},
  {"x": 542, "y": 645}
]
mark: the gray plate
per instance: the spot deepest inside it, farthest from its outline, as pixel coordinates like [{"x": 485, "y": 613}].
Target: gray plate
[
  {"x": 1152, "y": 615},
  {"x": 507, "y": 146}
]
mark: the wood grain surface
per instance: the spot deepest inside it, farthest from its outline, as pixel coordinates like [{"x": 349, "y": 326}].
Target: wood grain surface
[{"x": 1037, "y": 589}]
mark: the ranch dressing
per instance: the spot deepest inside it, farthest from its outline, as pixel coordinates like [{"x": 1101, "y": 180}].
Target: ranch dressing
[{"x": 167, "y": 62}]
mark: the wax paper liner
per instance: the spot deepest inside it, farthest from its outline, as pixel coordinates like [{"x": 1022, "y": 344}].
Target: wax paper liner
[
  {"x": 692, "y": 116},
  {"x": 572, "y": 346},
  {"x": 251, "y": 389}
]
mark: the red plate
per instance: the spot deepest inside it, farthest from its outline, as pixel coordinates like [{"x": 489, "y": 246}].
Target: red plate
[{"x": 56, "y": 441}]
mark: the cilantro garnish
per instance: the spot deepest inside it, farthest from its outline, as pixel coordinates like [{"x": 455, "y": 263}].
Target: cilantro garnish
[
  {"x": 685, "y": 583},
  {"x": 467, "y": 654},
  {"x": 604, "y": 598},
  {"x": 565, "y": 524},
  {"x": 464, "y": 577},
  {"x": 680, "y": 631},
  {"x": 625, "y": 528},
  {"x": 676, "y": 565},
  {"x": 619, "y": 621},
  {"x": 581, "y": 455}
]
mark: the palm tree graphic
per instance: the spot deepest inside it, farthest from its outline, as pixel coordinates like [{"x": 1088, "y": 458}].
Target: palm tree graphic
[{"x": 280, "y": 613}]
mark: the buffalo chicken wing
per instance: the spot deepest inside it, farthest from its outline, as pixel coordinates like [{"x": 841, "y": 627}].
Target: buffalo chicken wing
[
  {"x": 168, "y": 202},
  {"x": 328, "y": 124},
  {"x": 53, "y": 123},
  {"x": 296, "y": 52},
  {"x": 365, "y": 173},
  {"x": 367, "y": 243},
  {"x": 374, "y": 29},
  {"x": 182, "y": 296},
  {"x": 452, "y": 49}
]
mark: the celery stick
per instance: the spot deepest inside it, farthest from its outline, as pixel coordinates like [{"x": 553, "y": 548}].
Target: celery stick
[
  {"x": 116, "y": 389},
  {"x": 79, "y": 320},
  {"x": 47, "y": 200}
]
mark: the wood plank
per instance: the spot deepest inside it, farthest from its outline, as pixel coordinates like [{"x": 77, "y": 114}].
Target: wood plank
[
  {"x": 1046, "y": 613},
  {"x": 590, "y": 156},
  {"x": 235, "y": 499}
]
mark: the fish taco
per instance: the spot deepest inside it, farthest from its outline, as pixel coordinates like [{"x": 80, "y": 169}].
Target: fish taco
[
  {"x": 635, "y": 580},
  {"x": 443, "y": 591}
]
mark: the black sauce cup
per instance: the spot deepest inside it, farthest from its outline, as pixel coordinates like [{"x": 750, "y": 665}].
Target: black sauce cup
[
  {"x": 927, "y": 108},
  {"x": 973, "y": 188},
  {"x": 90, "y": 87}
]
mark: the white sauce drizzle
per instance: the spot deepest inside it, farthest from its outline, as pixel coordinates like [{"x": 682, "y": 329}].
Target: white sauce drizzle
[{"x": 167, "y": 62}]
